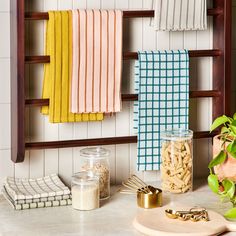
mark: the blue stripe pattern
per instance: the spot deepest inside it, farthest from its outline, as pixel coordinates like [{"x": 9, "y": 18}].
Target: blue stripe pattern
[{"x": 162, "y": 84}]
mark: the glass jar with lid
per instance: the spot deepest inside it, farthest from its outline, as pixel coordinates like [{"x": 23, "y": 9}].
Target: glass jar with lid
[
  {"x": 85, "y": 191},
  {"x": 96, "y": 159},
  {"x": 177, "y": 160}
]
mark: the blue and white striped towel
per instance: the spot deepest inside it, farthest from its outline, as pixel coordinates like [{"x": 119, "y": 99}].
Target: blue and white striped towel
[{"x": 162, "y": 84}]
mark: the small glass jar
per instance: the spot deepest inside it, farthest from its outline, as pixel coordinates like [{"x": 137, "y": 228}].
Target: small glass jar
[
  {"x": 96, "y": 159},
  {"x": 177, "y": 161},
  {"x": 85, "y": 191}
]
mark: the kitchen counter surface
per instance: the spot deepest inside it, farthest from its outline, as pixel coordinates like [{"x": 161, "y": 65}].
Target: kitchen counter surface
[{"x": 113, "y": 218}]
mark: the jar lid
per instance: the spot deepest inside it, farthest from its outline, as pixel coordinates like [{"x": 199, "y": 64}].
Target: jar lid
[
  {"x": 177, "y": 134},
  {"x": 84, "y": 178},
  {"x": 95, "y": 152}
]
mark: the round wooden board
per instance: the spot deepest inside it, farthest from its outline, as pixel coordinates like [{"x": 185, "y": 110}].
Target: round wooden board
[{"x": 154, "y": 222}]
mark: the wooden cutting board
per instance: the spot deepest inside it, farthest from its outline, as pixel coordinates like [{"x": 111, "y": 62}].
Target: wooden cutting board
[{"x": 154, "y": 222}]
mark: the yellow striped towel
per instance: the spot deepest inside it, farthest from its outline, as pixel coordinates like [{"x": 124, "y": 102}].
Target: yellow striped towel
[{"x": 57, "y": 73}]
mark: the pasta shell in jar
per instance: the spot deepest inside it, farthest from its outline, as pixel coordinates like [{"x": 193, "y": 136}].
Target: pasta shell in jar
[{"x": 177, "y": 161}]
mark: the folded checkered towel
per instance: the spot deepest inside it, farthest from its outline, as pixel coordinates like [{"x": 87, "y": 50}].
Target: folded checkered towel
[
  {"x": 48, "y": 203},
  {"x": 162, "y": 84},
  {"x": 38, "y": 192}
]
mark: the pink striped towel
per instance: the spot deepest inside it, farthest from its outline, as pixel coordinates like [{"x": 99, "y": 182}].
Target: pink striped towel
[{"x": 97, "y": 61}]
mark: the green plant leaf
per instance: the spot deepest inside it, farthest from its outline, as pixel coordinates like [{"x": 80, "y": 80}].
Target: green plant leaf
[
  {"x": 220, "y": 158},
  {"x": 231, "y": 149},
  {"x": 234, "y": 116},
  {"x": 213, "y": 183},
  {"x": 224, "y": 130},
  {"x": 231, "y": 191},
  {"x": 233, "y": 154},
  {"x": 226, "y": 184},
  {"x": 231, "y": 214},
  {"x": 229, "y": 188},
  {"x": 233, "y": 123},
  {"x": 219, "y": 121},
  {"x": 233, "y": 128}
]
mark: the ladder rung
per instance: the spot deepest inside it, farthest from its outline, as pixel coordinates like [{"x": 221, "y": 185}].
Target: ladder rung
[
  {"x": 129, "y": 56},
  {"x": 130, "y": 97},
  {"x": 126, "y": 14},
  {"x": 99, "y": 141}
]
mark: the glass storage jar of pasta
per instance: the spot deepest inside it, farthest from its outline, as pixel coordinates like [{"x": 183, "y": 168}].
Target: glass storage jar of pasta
[
  {"x": 177, "y": 161},
  {"x": 96, "y": 159}
]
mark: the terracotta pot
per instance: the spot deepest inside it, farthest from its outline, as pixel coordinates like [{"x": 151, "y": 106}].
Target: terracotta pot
[{"x": 228, "y": 168}]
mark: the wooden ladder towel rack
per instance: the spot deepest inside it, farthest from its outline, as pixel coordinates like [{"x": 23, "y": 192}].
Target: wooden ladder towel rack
[{"x": 221, "y": 54}]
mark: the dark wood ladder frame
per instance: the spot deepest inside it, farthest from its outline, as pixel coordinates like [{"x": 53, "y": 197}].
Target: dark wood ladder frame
[{"x": 221, "y": 13}]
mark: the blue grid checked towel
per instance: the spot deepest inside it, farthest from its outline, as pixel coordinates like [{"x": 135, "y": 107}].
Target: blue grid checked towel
[{"x": 162, "y": 83}]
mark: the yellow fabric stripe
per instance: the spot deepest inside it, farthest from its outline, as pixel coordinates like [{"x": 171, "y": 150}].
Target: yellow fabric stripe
[
  {"x": 48, "y": 67},
  {"x": 71, "y": 117},
  {"x": 65, "y": 67},
  {"x": 57, "y": 73},
  {"x": 52, "y": 65}
]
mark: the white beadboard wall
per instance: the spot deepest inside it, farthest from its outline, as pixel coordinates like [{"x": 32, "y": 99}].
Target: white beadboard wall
[{"x": 138, "y": 35}]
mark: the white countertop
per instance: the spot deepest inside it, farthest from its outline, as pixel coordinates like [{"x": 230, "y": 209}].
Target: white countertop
[{"x": 113, "y": 218}]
